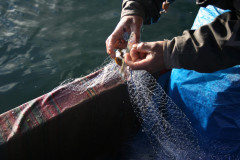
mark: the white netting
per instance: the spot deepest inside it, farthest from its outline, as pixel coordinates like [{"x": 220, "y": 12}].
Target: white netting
[
  {"x": 107, "y": 72},
  {"x": 166, "y": 126}
]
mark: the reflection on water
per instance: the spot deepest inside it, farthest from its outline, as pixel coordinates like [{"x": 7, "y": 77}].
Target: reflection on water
[{"x": 44, "y": 42}]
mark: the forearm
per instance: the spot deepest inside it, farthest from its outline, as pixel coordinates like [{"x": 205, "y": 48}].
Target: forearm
[
  {"x": 149, "y": 10},
  {"x": 210, "y": 48}
]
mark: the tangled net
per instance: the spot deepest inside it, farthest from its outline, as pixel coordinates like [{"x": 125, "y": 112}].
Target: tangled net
[{"x": 166, "y": 126}]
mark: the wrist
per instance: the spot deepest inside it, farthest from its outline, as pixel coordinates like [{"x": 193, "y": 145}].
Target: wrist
[
  {"x": 132, "y": 8},
  {"x": 133, "y": 19},
  {"x": 166, "y": 55}
]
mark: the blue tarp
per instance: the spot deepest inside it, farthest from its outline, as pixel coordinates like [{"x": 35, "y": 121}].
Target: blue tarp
[{"x": 210, "y": 100}]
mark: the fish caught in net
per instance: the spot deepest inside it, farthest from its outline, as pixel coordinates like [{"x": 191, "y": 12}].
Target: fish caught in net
[{"x": 166, "y": 126}]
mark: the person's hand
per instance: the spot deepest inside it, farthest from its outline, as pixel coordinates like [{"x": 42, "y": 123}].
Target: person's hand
[
  {"x": 146, "y": 56},
  {"x": 127, "y": 24}
]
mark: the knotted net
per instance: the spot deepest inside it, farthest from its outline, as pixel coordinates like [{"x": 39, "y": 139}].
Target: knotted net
[{"x": 166, "y": 126}]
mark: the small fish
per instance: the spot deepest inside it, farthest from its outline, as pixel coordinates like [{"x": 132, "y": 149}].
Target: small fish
[
  {"x": 120, "y": 54},
  {"x": 119, "y": 59},
  {"x": 131, "y": 41}
]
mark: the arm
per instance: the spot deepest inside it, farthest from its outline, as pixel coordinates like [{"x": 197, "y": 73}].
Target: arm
[
  {"x": 149, "y": 10},
  {"x": 210, "y": 48},
  {"x": 134, "y": 13}
]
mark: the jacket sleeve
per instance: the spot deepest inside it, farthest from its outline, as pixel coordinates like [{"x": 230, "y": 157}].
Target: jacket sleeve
[
  {"x": 149, "y": 10},
  {"x": 210, "y": 48}
]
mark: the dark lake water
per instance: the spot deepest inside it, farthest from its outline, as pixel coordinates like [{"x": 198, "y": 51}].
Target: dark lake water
[{"x": 44, "y": 42}]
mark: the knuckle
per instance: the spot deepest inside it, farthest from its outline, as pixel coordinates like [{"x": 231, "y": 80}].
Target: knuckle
[
  {"x": 140, "y": 45},
  {"x": 155, "y": 46}
]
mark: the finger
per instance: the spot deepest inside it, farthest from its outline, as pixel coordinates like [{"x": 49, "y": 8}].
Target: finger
[
  {"x": 107, "y": 42},
  {"x": 127, "y": 58},
  {"x": 136, "y": 30},
  {"x": 112, "y": 54},
  {"x": 110, "y": 44},
  {"x": 144, "y": 47},
  {"x": 142, "y": 55},
  {"x": 137, "y": 65},
  {"x": 134, "y": 54}
]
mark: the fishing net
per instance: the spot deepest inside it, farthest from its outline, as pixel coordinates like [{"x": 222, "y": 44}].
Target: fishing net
[
  {"x": 168, "y": 129},
  {"x": 107, "y": 73}
]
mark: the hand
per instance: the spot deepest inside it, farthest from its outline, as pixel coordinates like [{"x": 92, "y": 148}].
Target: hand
[
  {"x": 127, "y": 24},
  {"x": 146, "y": 56}
]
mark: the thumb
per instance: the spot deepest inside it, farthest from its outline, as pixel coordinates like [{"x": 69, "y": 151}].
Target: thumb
[
  {"x": 110, "y": 44},
  {"x": 139, "y": 51},
  {"x": 136, "y": 28},
  {"x": 137, "y": 65},
  {"x": 136, "y": 36}
]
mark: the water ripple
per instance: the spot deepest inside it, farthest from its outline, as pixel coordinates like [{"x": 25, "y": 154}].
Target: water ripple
[
  {"x": 44, "y": 42},
  {"x": 7, "y": 87}
]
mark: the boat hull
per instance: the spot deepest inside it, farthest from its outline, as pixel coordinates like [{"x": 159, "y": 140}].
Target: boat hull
[{"x": 94, "y": 128}]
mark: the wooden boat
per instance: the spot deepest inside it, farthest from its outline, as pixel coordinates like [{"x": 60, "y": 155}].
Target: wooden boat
[{"x": 66, "y": 124}]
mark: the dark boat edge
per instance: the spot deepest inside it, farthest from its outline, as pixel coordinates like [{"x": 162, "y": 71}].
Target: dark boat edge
[{"x": 93, "y": 129}]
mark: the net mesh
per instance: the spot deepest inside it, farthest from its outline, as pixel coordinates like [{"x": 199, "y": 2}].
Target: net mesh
[
  {"x": 108, "y": 72},
  {"x": 166, "y": 126}
]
